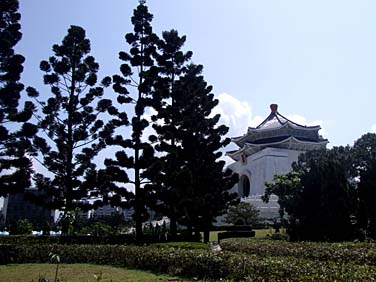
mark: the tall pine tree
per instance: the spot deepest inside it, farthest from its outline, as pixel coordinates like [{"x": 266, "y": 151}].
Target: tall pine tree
[
  {"x": 204, "y": 184},
  {"x": 72, "y": 120},
  {"x": 364, "y": 154},
  {"x": 172, "y": 63},
  {"x": 191, "y": 185},
  {"x": 15, "y": 130},
  {"x": 134, "y": 86}
]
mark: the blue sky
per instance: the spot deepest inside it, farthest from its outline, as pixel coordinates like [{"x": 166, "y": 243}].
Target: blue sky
[{"x": 316, "y": 59}]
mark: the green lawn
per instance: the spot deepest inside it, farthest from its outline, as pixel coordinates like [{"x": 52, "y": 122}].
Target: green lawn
[
  {"x": 260, "y": 234},
  {"x": 77, "y": 273}
]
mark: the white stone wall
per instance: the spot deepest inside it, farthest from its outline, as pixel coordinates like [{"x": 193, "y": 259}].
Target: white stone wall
[{"x": 260, "y": 168}]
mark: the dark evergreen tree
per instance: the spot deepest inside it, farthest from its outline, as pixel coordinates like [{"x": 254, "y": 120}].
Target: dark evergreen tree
[
  {"x": 73, "y": 122},
  {"x": 202, "y": 185},
  {"x": 171, "y": 65},
  {"x": 318, "y": 196},
  {"x": 189, "y": 182},
  {"x": 364, "y": 152},
  {"x": 15, "y": 130},
  {"x": 137, "y": 71}
]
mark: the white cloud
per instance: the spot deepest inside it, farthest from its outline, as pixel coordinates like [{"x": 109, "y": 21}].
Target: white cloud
[
  {"x": 235, "y": 114},
  {"x": 303, "y": 121},
  {"x": 373, "y": 128}
]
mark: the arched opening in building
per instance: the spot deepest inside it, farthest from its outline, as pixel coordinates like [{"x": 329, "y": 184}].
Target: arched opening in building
[{"x": 244, "y": 186}]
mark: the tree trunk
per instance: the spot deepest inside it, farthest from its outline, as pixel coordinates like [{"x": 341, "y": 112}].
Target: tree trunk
[
  {"x": 138, "y": 206},
  {"x": 189, "y": 232},
  {"x": 206, "y": 235},
  {"x": 173, "y": 228}
]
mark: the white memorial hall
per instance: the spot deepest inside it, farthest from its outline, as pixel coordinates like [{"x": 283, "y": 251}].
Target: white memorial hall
[{"x": 270, "y": 149}]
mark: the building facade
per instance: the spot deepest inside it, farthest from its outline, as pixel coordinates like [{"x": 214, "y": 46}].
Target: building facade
[
  {"x": 270, "y": 149},
  {"x": 18, "y": 206}
]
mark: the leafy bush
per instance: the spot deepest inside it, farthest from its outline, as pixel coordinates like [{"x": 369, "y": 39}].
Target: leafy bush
[
  {"x": 200, "y": 264},
  {"x": 21, "y": 227},
  {"x": 95, "y": 240},
  {"x": 357, "y": 253}
]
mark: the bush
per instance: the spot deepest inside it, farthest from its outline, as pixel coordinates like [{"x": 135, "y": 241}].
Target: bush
[
  {"x": 95, "y": 240},
  {"x": 125, "y": 239},
  {"x": 357, "y": 253},
  {"x": 198, "y": 264},
  {"x": 21, "y": 227}
]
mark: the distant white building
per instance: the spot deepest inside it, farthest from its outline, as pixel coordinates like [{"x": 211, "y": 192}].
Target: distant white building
[
  {"x": 106, "y": 211},
  {"x": 270, "y": 149}
]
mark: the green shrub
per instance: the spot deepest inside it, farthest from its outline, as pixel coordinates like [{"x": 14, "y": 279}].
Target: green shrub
[
  {"x": 21, "y": 227},
  {"x": 200, "y": 264},
  {"x": 124, "y": 239},
  {"x": 95, "y": 240},
  {"x": 357, "y": 253}
]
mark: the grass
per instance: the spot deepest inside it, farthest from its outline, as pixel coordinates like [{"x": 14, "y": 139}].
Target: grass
[
  {"x": 260, "y": 234},
  {"x": 183, "y": 245},
  {"x": 77, "y": 273}
]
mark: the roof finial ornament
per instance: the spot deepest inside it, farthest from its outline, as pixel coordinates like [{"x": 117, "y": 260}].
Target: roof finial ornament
[{"x": 274, "y": 108}]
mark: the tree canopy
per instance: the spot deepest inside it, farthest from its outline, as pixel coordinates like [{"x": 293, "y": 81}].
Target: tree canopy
[
  {"x": 317, "y": 196},
  {"x": 364, "y": 153},
  {"x": 202, "y": 184},
  {"x": 134, "y": 86},
  {"x": 15, "y": 128},
  {"x": 72, "y": 124}
]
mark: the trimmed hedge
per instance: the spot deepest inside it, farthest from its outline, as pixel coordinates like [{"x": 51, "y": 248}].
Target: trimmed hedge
[
  {"x": 192, "y": 263},
  {"x": 126, "y": 239},
  {"x": 95, "y": 240},
  {"x": 348, "y": 252},
  {"x": 198, "y": 264}
]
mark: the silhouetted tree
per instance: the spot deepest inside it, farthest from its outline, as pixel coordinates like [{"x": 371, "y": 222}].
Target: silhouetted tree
[
  {"x": 72, "y": 120},
  {"x": 171, "y": 65},
  {"x": 364, "y": 152},
  {"x": 202, "y": 185},
  {"x": 15, "y": 130},
  {"x": 189, "y": 182},
  {"x": 137, "y": 155},
  {"x": 318, "y": 196}
]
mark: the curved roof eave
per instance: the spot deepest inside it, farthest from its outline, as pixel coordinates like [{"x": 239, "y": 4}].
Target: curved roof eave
[
  {"x": 283, "y": 125},
  {"x": 285, "y": 141},
  {"x": 234, "y": 155}
]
